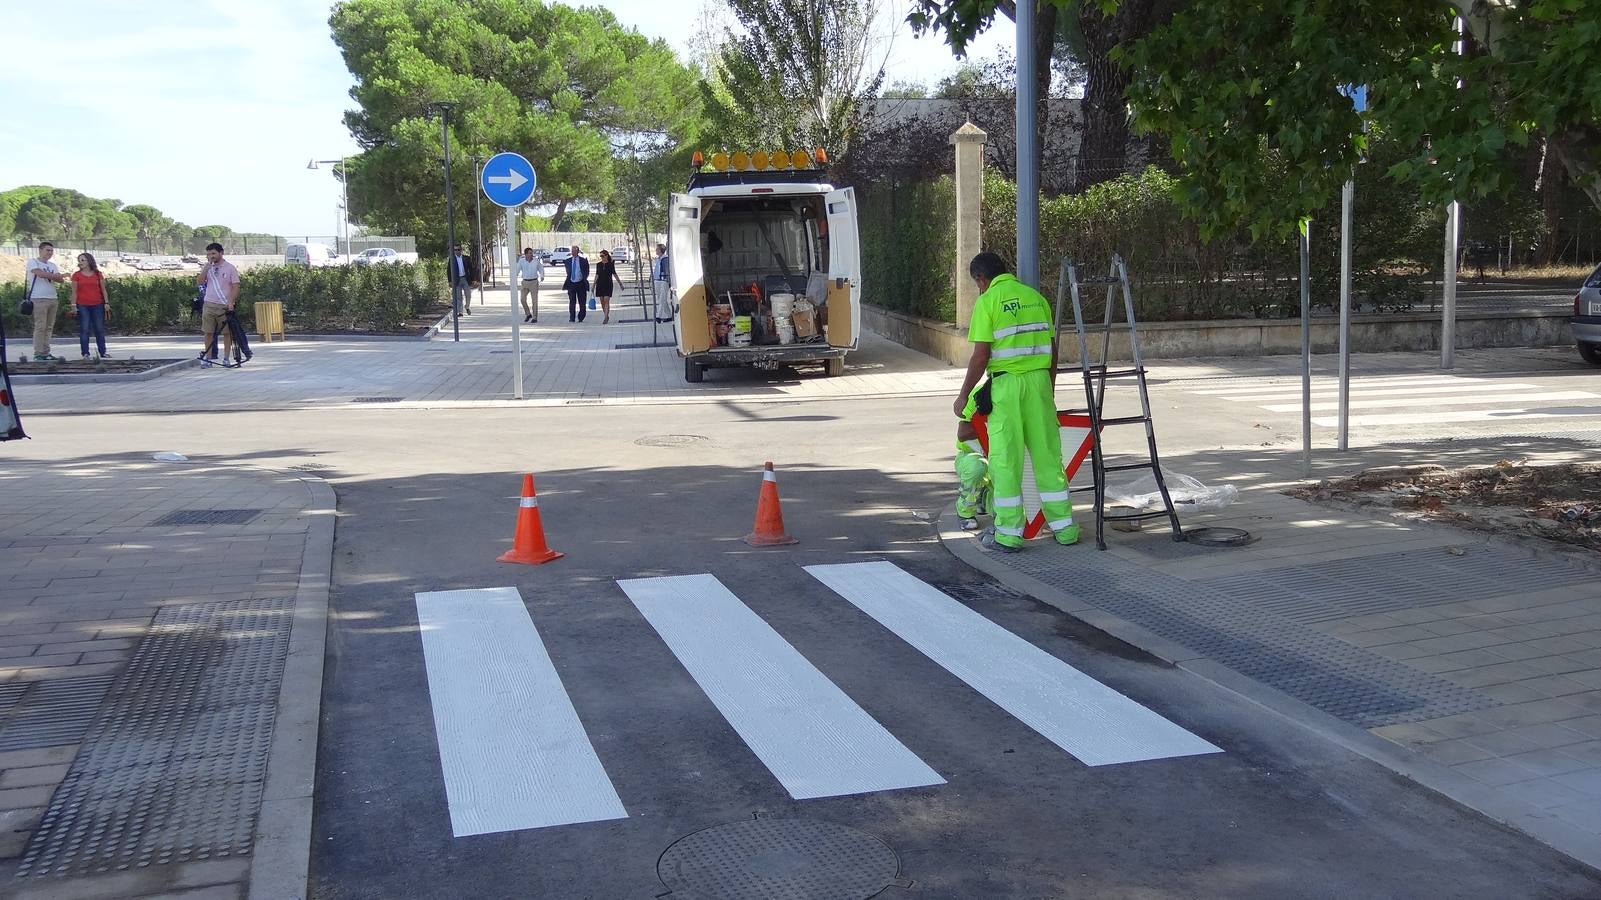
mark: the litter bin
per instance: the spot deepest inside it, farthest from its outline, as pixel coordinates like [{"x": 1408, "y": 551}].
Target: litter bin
[{"x": 270, "y": 319}]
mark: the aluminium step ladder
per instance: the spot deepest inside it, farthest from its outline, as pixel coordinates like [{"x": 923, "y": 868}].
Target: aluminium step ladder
[{"x": 1096, "y": 376}]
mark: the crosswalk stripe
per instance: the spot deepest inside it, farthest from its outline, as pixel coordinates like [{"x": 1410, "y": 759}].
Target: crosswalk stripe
[
  {"x": 1462, "y": 415},
  {"x": 1326, "y": 383},
  {"x": 1089, "y": 720},
  {"x": 1398, "y": 402},
  {"x": 814, "y": 739},
  {"x": 513, "y": 751},
  {"x": 1417, "y": 390}
]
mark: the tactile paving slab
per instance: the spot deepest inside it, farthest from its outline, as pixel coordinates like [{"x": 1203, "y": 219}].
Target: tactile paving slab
[
  {"x": 173, "y": 767},
  {"x": 1341, "y": 679},
  {"x": 779, "y": 859},
  {"x": 208, "y": 517},
  {"x": 50, "y": 713},
  {"x": 1326, "y": 591}
]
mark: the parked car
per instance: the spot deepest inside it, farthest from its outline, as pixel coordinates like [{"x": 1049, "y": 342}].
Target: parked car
[
  {"x": 559, "y": 256},
  {"x": 312, "y": 256},
  {"x": 622, "y": 255},
  {"x": 1587, "y": 318},
  {"x": 384, "y": 256}
]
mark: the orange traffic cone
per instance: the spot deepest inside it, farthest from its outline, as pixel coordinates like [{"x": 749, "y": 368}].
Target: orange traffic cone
[
  {"x": 528, "y": 543},
  {"x": 769, "y": 518}
]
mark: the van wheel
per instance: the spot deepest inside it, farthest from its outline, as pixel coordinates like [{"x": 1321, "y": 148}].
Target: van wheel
[
  {"x": 694, "y": 372},
  {"x": 1591, "y": 353},
  {"x": 834, "y": 367}
]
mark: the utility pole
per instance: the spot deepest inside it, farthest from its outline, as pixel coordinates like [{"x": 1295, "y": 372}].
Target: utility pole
[
  {"x": 444, "y": 109},
  {"x": 1028, "y": 157}
]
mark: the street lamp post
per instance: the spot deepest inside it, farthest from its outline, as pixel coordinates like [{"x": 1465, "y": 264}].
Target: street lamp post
[
  {"x": 344, "y": 195},
  {"x": 444, "y": 108}
]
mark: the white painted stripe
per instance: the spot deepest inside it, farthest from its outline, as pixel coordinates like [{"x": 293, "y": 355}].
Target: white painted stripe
[
  {"x": 513, "y": 751},
  {"x": 1480, "y": 399},
  {"x": 528, "y": 502},
  {"x": 1326, "y": 381},
  {"x": 1008, "y": 502},
  {"x": 1091, "y": 721},
  {"x": 814, "y": 739},
  {"x": 1417, "y": 390},
  {"x": 1464, "y": 415}
]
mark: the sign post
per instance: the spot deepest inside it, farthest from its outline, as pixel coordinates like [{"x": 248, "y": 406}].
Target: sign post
[
  {"x": 1359, "y": 100},
  {"x": 508, "y": 180}
]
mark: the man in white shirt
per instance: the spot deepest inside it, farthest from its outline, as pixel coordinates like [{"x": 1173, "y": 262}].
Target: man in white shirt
[
  {"x": 41, "y": 277},
  {"x": 530, "y": 272},
  {"x": 659, "y": 284}
]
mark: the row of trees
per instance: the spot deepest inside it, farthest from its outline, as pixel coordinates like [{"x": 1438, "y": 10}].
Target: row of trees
[{"x": 39, "y": 212}]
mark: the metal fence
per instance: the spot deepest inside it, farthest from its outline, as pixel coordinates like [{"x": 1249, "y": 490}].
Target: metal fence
[{"x": 236, "y": 244}]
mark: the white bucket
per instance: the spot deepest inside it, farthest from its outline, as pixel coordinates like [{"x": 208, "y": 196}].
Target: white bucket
[
  {"x": 785, "y": 329},
  {"x": 782, "y": 304}
]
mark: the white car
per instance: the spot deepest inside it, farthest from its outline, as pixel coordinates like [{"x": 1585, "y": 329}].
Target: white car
[
  {"x": 622, "y": 255},
  {"x": 559, "y": 256},
  {"x": 379, "y": 256}
]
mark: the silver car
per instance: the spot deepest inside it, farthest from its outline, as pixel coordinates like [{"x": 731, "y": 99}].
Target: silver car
[{"x": 1587, "y": 318}]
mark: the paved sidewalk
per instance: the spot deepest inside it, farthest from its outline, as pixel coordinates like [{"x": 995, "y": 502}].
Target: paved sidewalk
[
  {"x": 1470, "y": 664},
  {"x": 580, "y": 363},
  {"x": 159, "y": 681}
]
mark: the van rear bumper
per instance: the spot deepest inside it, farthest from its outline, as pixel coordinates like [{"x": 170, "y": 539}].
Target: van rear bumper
[{"x": 770, "y": 356}]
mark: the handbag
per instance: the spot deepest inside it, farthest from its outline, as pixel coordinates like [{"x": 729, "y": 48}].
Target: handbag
[{"x": 26, "y": 306}]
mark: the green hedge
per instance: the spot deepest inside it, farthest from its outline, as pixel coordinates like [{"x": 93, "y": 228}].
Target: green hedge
[
  {"x": 908, "y": 244},
  {"x": 344, "y": 298}
]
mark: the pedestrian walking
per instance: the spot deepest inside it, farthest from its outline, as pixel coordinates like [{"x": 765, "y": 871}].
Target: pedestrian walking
[
  {"x": 577, "y": 285},
  {"x": 1014, "y": 341},
  {"x": 42, "y": 276},
  {"x": 90, "y": 304},
  {"x": 221, "y": 282},
  {"x": 463, "y": 277},
  {"x": 530, "y": 274},
  {"x": 659, "y": 286},
  {"x": 605, "y": 281}
]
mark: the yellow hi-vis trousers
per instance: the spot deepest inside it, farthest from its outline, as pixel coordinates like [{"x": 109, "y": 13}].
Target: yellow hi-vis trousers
[
  {"x": 1025, "y": 416},
  {"x": 972, "y": 472}
]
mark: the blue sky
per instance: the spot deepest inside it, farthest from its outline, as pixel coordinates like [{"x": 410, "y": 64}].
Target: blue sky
[{"x": 210, "y": 109}]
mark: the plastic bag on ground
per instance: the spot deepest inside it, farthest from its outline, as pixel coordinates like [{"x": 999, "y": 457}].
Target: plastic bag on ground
[{"x": 1187, "y": 493}]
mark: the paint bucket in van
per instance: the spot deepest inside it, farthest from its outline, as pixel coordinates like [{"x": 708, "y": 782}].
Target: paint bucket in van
[
  {"x": 782, "y": 305},
  {"x": 740, "y": 336},
  {"x": 785, "y": 329}
]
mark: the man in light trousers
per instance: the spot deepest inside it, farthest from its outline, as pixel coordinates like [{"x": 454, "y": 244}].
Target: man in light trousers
[{"x": 41, "y": 277}]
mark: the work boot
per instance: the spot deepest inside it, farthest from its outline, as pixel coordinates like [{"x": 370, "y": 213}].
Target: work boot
[
  {"x": 970, "y": 523},
  {"x": 988, "y": 542},
  {"x": 1068, "y": 536}
]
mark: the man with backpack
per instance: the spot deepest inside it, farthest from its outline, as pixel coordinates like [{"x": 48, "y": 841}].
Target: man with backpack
[{"x": 41, "y": 277}]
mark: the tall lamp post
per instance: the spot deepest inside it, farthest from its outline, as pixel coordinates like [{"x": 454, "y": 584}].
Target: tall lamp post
[
  {"x": 444, "y": 108},
  {"x": 344, "y": 194}
]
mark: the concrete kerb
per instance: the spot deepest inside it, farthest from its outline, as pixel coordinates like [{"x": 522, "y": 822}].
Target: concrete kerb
[
  {"x": 281, "y": 857},
  {"x": 104, "y": 377},
  {"x": 1486, "y": 801}
]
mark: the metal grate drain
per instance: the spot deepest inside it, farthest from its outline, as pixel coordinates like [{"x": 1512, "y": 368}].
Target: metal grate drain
[
  {"x": 208, "y": 517},
  {"x": 582, "y": 403},
  {"x": 779, "y": 859},
  {"x": 1343, "y": 680},
  {"x": 52, "y": 713},
  {"x": 642, "y": 346},
  {"x": 173, "y": 768},
  {"x": 669, "y": 440},
  {"x": 377, "y": 399}
]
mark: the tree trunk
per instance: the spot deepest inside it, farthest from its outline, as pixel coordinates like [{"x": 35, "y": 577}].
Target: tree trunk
[
  {"x": 1578, "y": 148},
  {"x": 1550, "y": 204},
  {"x": 1044, "y": 45},
  {"x": 1104, "y": 149},
  {"x": 558, "y": 222}
]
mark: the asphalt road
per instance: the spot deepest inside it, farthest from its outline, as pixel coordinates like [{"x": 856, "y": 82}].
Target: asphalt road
[{"x": 427, "y": 501}]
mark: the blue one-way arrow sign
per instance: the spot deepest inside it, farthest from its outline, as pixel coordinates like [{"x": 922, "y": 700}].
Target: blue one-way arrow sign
[{"x": 508, "y": 180}]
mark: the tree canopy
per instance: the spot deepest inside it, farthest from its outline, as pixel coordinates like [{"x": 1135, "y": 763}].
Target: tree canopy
[{"x": 571, "y": 89}]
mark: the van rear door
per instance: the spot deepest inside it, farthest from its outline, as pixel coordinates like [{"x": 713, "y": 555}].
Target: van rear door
[
  {"x": 685, "y": 274},
  {"x": 844, "y": 269}
]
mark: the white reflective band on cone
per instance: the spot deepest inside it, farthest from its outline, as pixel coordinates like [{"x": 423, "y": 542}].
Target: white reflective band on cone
[
  {"x": 768, "y": 476},
  {"x": 1060, "y": 524},
  {"x": 1053, "y": 496},
  {"x": 1009, "y": 532},
  {"x": 526, "y": 502},
  {"x": 1008, "y": 501}
]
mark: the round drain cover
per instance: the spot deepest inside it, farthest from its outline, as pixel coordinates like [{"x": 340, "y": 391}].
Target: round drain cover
[
  {"x": 669, "y": 440},
  {"x": 779, "y": 859},
  {"x": 1217, "y": 536}
]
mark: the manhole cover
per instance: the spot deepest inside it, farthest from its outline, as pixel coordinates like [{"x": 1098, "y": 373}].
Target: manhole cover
[
  {"x": 377, "y": 400},
  {"x": 208, "y": 517},
  {"x": 669, "y": 440},
  {"x": 779, "y": 859},
  {"x": 1218, "y": 536}
]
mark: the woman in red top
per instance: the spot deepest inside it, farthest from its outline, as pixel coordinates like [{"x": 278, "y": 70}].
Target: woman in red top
[{"x": 89, "y": 305}]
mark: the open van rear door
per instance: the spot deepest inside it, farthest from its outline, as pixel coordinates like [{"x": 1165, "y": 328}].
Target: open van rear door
[
  {"x": 685, "y": 273},
  {"x": 844, "y": 269}
]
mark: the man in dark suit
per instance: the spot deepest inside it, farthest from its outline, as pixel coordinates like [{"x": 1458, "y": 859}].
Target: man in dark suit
[
  {"x": 462, "y": 273},
  {"x": 577, "y": 285}
]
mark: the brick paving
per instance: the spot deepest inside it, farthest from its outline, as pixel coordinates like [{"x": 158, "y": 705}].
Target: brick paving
[{"x": 83, "y": 571}]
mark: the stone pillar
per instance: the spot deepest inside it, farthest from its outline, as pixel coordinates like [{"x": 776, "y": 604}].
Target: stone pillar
[{"x": 969, "y": 142}]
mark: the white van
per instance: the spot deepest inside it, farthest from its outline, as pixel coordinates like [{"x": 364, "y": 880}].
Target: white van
[
  {"x": 311, "y": 256},
  {"x": 764, "y": 266}
]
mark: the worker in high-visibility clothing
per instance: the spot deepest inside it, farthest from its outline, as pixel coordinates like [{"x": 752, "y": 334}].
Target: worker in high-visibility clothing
[
  {"x": 972, "y": 468},
  {"x": 1014, "y": 341}
]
